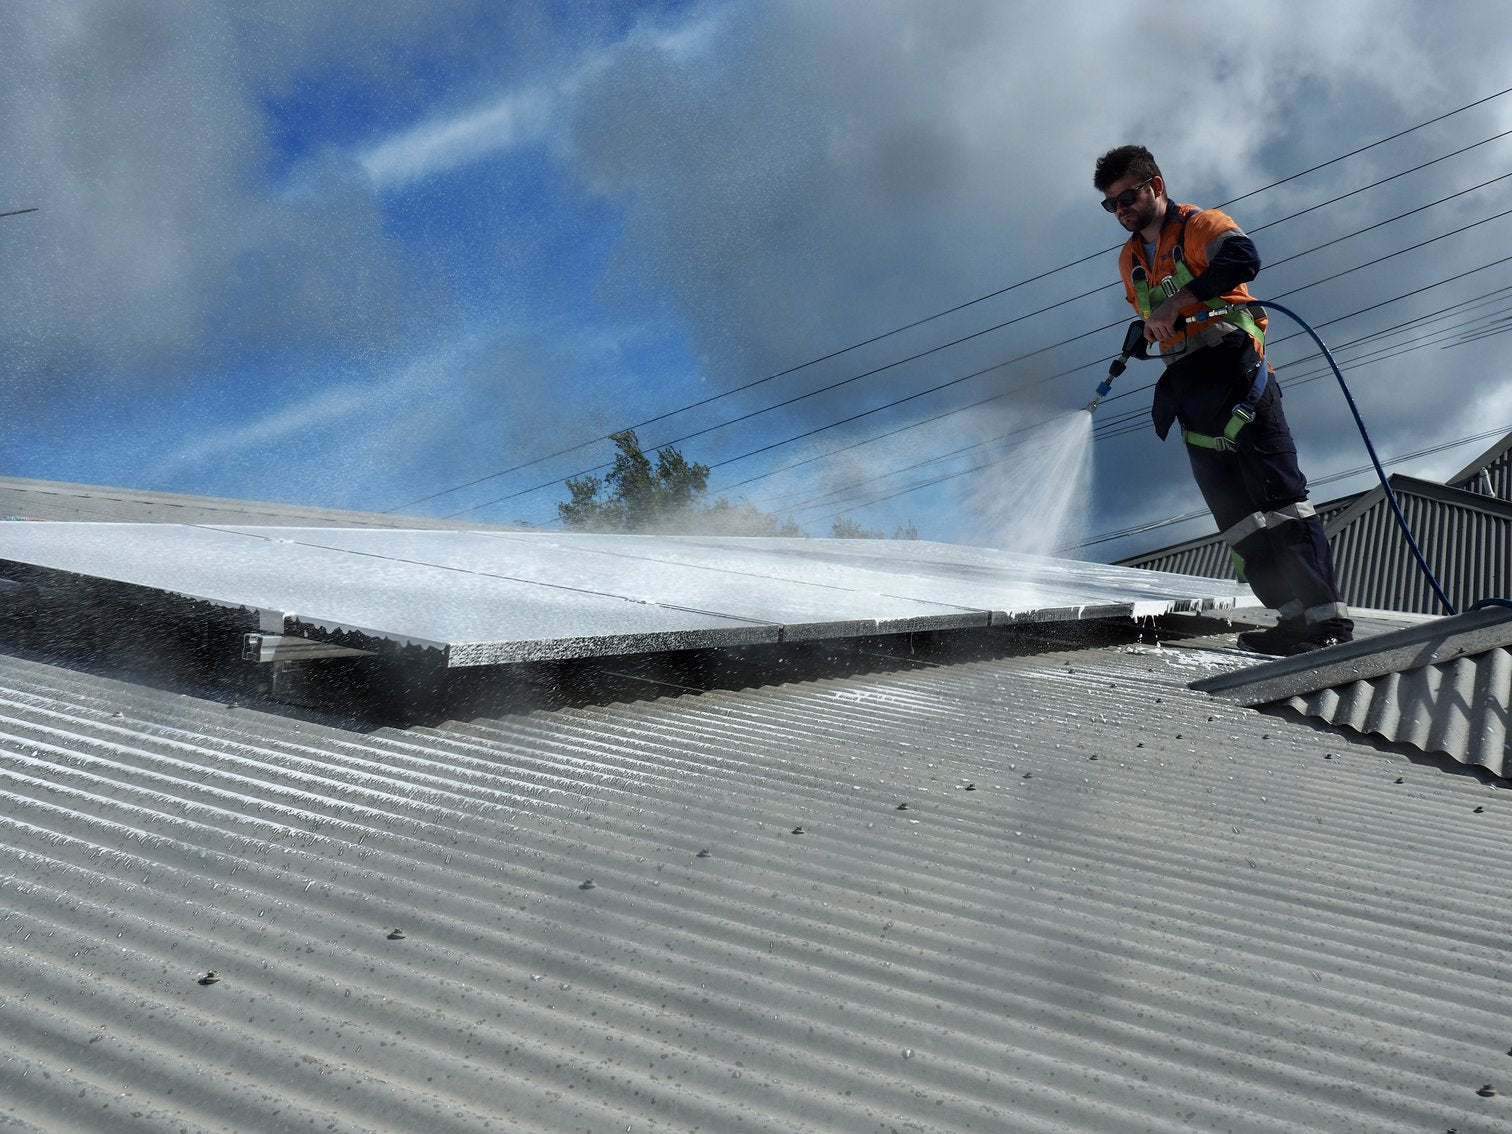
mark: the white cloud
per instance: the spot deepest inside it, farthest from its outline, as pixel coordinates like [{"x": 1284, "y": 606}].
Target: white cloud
[
  {"x": 769, "y": 181},
  {"x": 517, "y": 118},
  {"x": 327, "y": 408},
  {"x": 436, "y": 147}
]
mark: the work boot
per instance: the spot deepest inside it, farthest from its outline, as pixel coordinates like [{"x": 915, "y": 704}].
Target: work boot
[
  {"x": 1292, "y": 636},
  {"x": 1277, "y": 640},
  {"x": 1329, "y": 632}
]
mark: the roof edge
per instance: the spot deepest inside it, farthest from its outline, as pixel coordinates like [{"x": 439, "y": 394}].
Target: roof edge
[{"x": 1432, "y": 643}]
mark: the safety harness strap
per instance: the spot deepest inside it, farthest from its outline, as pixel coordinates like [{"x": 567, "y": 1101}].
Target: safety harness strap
[
  {"x": 1243, "y": 414},
  {"x": 1236, "y": 315}
]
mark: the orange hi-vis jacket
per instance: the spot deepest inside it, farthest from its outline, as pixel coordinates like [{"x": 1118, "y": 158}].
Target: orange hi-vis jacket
[{"x": 1192, "y": 241}]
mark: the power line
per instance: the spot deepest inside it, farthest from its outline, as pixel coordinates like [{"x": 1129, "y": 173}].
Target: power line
[
  {"x": 1339, "y": 319},
  {"x": 809, "y": 394},
  {"x": 935, "y": 389},
  {"x": 1117, "y": 426},
  {"x": 1104, "y": 424},
  {"x": 1345, "y": 475},
  {"x": 1022, "y": 388},
  {"x": 922, "y": 321}
]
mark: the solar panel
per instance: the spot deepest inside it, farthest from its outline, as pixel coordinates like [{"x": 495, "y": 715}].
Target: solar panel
[{"x": 482, "y": 598}]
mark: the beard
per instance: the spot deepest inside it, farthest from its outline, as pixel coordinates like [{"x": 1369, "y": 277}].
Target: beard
[{"x": 1141, "y": 217}]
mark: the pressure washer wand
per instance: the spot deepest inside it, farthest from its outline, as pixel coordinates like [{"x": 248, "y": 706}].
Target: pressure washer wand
[{"x": 1134, "y": 346}]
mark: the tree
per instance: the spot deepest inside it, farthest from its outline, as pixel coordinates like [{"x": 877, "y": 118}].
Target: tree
[
  {"x": 744, "y": 518},
  {"x": 667, "y": 496},
  {"x": 847, "y": 528},
  {"x": 641, "y": 497}
]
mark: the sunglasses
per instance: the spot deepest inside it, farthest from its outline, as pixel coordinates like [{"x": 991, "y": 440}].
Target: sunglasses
[{"x": 1124, "y": 199}]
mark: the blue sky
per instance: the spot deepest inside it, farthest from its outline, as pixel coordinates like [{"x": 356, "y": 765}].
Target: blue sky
[{"x": 359, "y": 255}]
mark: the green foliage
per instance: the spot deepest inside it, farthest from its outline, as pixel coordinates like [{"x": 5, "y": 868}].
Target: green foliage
[
  {"x": 744, "y": 518},
  {"x": 847, "y": 528},
  {"x": 667, "y": 496}
]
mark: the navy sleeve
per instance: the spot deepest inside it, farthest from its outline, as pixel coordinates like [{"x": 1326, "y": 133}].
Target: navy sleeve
[{"x": 1237, "y": 262}]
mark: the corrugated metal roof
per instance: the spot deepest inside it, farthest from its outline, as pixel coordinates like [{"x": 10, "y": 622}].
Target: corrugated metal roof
[
  {"x": 1110, "y": 904},
  {"x": 1444, "y": 686},
  {"x": 1490, "y": 473},
  {"x": 1465, "y": 537}
]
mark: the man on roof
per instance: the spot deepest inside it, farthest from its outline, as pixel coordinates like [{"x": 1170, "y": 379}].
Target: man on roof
[{"x": 1185, "y": 271}]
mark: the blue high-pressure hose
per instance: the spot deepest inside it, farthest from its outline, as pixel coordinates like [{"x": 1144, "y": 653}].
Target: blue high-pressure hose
[
  {"x": 1133, "y": 348},
  {"x": 1396, "y": 508}
]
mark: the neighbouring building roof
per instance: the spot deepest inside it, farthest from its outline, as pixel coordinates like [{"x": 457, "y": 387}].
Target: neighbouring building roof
[
  {"x": 1465, "y": 536},
  {"x": 1489, "y": 474}
]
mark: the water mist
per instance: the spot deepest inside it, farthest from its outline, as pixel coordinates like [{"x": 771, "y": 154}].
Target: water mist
[{"x": 1035, "y": 499}]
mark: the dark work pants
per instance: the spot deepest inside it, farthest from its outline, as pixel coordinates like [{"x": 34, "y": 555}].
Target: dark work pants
[{"x": 1289, "y": 564}]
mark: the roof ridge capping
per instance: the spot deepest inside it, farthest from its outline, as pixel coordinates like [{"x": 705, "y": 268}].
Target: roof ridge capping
[{"x": 1437, "y": 642}]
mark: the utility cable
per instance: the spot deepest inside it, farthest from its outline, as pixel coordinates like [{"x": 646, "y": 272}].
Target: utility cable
[
  {"x": 1141, "y": 529},
  {"x": 956, "y": 308},
  {"x": 976, "y": 374},
  {"x": 1018, "y": 390},
  {"x": 949, "y": 476},
  {"x": 1133, "y": 420},
  {"x": 966, "y": 338},
  {"x": 1198, "y": 513},
  {"x": 1104, "y": 427}
]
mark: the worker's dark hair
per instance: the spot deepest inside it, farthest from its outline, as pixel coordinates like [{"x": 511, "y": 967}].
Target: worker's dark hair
[{"x": 1122, "y": 162}]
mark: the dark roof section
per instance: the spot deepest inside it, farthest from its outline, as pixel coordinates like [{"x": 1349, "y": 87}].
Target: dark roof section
[{"x": 1465, "y": 537}]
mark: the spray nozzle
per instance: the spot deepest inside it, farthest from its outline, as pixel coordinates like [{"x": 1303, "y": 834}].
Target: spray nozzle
[{"x": 1134, "y": 346}]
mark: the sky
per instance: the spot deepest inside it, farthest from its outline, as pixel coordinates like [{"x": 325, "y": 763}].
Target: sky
[{"x": 424, "y": 257}]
